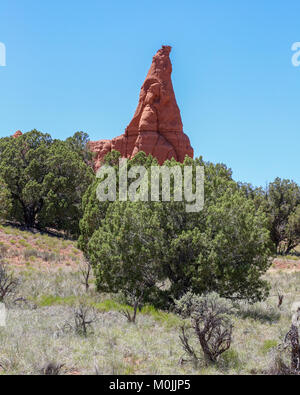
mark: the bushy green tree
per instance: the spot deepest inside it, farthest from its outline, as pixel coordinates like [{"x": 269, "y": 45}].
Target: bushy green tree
[
  {"x": 126, "y": 251},
  {"x": 227, "y": 252},
  {"x": 293, "y": 230},
  {"x": 5, "y": 201},
  {"x": 257, "y": 195},
  {"x": 279, "y": 200},
  {"x": 94, "y": 211},
  {"x": 46, "y": 179},
  {"x": 224, "y": 248},
  {"x": 282, "y": 198},
  {"x": 79, "y": 143}
]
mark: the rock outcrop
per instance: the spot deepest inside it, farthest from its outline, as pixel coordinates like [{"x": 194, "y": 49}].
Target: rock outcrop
[
  {"x": 156, "y": 127},
  {"x": 17, "y": 134}
]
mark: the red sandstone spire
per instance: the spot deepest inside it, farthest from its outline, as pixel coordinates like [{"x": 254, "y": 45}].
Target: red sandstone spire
[
  {"x": 156, "y": 127},
  {"x": 17, "y": 134},
  {"x": 157, "y": 109}
]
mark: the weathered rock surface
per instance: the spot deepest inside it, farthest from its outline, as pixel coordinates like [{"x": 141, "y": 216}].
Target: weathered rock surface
[
  {"x": 156, "y": 127},
  {"x": 17, "y": 134}
]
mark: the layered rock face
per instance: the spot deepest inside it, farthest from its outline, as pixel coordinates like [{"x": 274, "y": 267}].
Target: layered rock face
[
  {"x": 156, "y": 127},
  {"x": 17, "y": 134}
]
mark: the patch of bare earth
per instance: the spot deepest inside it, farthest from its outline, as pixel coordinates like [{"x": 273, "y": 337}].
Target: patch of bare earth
[
  {"x": 285, "y": 264},
  {"x": 21, "y": 248}
]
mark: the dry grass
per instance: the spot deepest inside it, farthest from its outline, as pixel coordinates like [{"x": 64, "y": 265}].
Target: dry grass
[
  {"x": 39, "y": 332},
  {"x": 20, "y": 248}
]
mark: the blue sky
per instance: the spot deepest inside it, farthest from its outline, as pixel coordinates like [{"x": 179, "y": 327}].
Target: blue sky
[{"x": 79, "y": 65}]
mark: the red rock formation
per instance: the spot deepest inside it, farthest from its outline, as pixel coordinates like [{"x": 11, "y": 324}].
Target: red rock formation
[
  {"x": 156, "y": 127},
  {"x": 17, "y": 134}
]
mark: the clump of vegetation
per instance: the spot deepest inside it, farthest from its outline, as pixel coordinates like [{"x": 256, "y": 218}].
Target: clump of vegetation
[
  {"x": 269, "y": 345},
  {"x": 3, "y": 249},
  {"x": 45, "y": 180},
  {"x": 283, "y": 199},
  {"x": 84, "y": 317},
  {"x": 280, "y": 200},
  {"x": 8, "y": 283},
  {"x": 135, "y": 246},
  {"x": 51, "y": 369},
  {"x": 278, "y": 366},
  {"x": 211, "y": 324},
  {"x": 126, "y": 253},
  {"x": 44, "y": 255},
  {"x": 5, "y": 201}
]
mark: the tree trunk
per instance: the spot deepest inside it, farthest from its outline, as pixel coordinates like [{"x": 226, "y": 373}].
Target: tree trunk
[{"x": 29, "y": 217}]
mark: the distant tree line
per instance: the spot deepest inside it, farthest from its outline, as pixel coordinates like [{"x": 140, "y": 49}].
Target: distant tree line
[{"x": 151, "y": 251}]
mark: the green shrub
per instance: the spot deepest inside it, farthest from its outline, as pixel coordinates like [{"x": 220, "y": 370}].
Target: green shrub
[
  {"x": 23, "y": 243},
  {"x": 30, "y": 252},
  {"x": 230, "y": 360},
  {"x": 5, "y": 201},
  {"x": 268, "y": 345},
  {"x": 211, "y": 324},
  {"x": 3, "y": 249}
]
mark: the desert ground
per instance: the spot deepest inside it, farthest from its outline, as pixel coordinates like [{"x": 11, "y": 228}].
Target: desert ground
[{"x": 42, "y": 335}]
